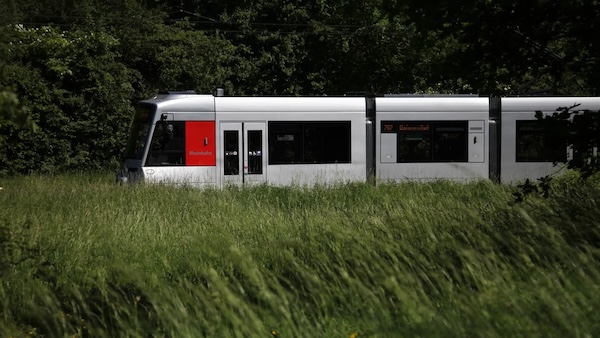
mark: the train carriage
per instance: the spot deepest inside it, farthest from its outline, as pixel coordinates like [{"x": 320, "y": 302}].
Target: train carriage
[
  {"x": 290, "y": 140},
  {"x": 527, "y": 151},
  {"x": 432, "y": 138},
  {"x": 206, "y": 140}
]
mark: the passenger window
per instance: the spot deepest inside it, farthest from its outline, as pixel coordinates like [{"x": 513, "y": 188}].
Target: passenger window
[
  {"x": 450, "y": 142},
  {"x": 285, "y": 143},
  {"x": 327, "y": 142},
  {"x": 438, "y": 141},
  {"x": 167, "y": 147},
  {"x": 414, "y": 142},
  {"x": 255, "y": 152},
  {"x": 309, "y": 142},
  {"x": 231, "y": 152},
  {"x": 536, "y": 144}
]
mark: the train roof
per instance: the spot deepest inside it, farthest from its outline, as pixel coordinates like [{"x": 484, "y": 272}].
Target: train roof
[
  {"x": 548, "y": 104},
  {"x": 290, "y": 104},
  {"x": 190, "y": 102},
  {"x": 183, "y": 102},
  {"x": 432, "y": 104}
]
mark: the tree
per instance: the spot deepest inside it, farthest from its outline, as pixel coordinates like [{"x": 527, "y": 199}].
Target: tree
[
  {"x": 517, "y": 47},
  {"x": 178, "y": 57},
  {"x": 12, "y": 111},
  {"x": 77, "y": 92}
]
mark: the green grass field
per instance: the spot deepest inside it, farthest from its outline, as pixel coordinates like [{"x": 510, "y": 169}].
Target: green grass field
[{"x": 80, "y": 256}]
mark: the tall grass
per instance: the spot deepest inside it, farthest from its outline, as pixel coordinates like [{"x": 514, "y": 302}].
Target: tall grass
[{"x": 84, "y": 257}]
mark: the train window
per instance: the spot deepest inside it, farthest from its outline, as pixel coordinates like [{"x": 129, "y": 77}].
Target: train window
[
  {"x": 231, "y": 152},
  {"x": 309, "y": 142},
  {"x": 450, "y": 142},
  {"x": 431, "y": 141},
  {"x": 285, "y": 143},
  {"x": 255, "y": 152},
  {"x": 167, "y": 147},
  {"x": 414, "y": 144},
  {"x": 139, "y": 133},
  {"x": 327, "y": 142},
  {"x": 536, "y": 144}
]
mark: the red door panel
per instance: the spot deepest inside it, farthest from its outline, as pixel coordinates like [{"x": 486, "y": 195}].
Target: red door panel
[{"x": 200, "y": 143}]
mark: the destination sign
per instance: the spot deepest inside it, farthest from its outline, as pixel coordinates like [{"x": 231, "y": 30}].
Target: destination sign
[
  {"x": 394, "y": 127},
  {"x": 413, "y": 127}
]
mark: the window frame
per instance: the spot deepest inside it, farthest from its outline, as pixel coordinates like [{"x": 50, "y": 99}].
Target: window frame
[
  {"x": 302, "y": 131},
  {"x": 430, "y": 129},
  {"x": 139, "y": 131},
  {"x": 178, "y": 126},
  {"x": 547, "y": 156}
]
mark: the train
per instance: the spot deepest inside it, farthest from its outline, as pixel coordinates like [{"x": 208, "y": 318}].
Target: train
[{"x": 214, "y": 140}]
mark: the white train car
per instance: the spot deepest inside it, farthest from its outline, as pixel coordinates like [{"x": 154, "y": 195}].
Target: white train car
[
  {"x": 431, "y": 138},
  {"x": 290, "y": 140},
  {"x": 203, "y": 140},
  {"x": 527, "y": 151}
]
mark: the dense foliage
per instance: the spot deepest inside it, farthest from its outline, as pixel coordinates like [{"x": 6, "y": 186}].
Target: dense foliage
[
  {"x": 78, "y": 66},
  {"x": 437, "y": 259}
]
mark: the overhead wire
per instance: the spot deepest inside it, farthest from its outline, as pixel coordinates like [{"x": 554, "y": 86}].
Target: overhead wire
[{"x": 285, "y": 28}]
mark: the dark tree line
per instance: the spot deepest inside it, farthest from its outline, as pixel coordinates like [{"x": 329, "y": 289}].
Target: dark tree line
[{"x": 77, "y": 66}]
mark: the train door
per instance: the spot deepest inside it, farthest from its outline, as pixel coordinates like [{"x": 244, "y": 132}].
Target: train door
[{"x": 243, "y": 148}]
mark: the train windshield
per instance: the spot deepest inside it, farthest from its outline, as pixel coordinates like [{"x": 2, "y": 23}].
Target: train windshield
[{"x": 139, "y": 132}]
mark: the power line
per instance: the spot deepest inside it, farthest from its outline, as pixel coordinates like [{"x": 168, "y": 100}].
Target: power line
[
  {"x": 228, "y": 31},
  {"x": 206, "y": 21}
]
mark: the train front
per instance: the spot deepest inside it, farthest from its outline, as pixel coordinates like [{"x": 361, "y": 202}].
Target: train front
[{"x": 131, "y": 167}]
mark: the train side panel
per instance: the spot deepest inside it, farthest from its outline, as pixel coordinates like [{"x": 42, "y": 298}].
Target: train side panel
[
  {"x": 305, "y": 141},
  {"x": 432, "y": 138},
  {"x": 527, "y": 152}
]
